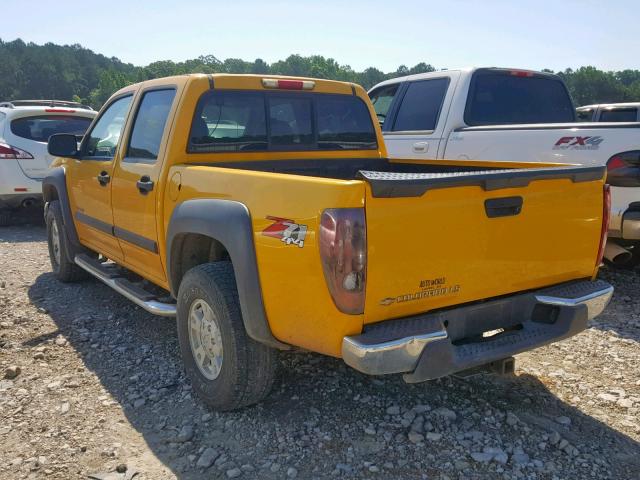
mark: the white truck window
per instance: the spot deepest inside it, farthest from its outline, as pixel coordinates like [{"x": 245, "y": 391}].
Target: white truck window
[
  {"x": 619, "y": 115},
  {"x": 503, "y": 97},
  {"x": 585, "y": 115},
  {"x": 421, "y": 105},
  {"x": 381, "y": 99}
]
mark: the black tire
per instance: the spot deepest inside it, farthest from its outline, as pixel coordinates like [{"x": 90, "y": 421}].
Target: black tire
[
  {"x": 248, "y": 368},
  {"x": 5, "y": 218},
  {"x": 63, "y": 267}
]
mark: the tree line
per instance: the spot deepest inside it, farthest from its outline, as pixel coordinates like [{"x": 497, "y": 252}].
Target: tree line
[{"x": 71, "y": 72}]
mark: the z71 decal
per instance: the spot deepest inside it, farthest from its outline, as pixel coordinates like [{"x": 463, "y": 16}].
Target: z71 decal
[
  {"x": 288, "y": 231},
  {"x": 578, "y": 143}
]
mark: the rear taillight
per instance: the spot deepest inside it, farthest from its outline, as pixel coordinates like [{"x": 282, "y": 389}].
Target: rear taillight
[
  {"x": 343, "y": 251},
  {"x": 606, "y": 214},
  {"x": 7, "y": 152},
  {"x": 284, "y": 84},
  {"x": 623, "y": 169}
]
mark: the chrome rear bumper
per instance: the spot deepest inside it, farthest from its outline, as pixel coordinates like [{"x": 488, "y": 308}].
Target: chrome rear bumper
[{"x": 438, "y": 344}]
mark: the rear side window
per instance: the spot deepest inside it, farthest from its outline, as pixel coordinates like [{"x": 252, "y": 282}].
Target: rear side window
[
  {"x": 507, "y": 98},
  {"x": 41, "y": 127},
  {"x": 235, "y": 121},
  {"x": 619, "y": 115},
  {"x": 421, "y": 105},
  {"x": 149, "y": 125}
]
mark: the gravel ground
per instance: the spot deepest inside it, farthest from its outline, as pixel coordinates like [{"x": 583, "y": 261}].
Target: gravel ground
[{"x": 93, "y": 386}]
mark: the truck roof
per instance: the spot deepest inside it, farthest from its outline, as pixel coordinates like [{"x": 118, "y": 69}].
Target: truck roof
[
  {"x": 464, "y": 71},
  {"x": 248, "y": 82}
]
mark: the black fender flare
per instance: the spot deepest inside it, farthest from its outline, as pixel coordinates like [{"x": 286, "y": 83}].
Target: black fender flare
[
  {"x": 54, "y": 187},
  {"x": 228, "y": 222}
]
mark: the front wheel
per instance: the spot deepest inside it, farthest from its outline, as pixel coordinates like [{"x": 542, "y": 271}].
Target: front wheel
[
  {"x": 63, "y": 267},
  {"x": 227, "y": 368}
]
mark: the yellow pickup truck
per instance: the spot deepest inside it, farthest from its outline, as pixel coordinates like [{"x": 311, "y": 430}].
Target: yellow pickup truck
[{"x": 264, "y": 214}]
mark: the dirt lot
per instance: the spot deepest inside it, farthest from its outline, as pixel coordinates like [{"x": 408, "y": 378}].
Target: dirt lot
[{"x": 100, "y": 388}]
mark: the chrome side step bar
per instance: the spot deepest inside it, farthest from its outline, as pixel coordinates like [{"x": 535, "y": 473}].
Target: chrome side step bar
[{"x": 140, "y": 297}]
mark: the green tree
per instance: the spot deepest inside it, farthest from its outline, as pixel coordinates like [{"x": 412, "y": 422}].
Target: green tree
[
  {"x": 370, "y": 77},
  {"x": 589, "y": 85},
  {"x": 259, "y": 66},
  {"x": 421, "y": 68},
  {"x": 68, "y": 72}
]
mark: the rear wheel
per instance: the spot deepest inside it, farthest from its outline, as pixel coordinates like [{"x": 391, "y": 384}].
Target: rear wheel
[
  {"x": 227, "y": 368},
  {"x": 63, "y": 267}
]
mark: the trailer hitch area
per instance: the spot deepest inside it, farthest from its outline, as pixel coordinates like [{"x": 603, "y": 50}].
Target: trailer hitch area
[{"x": 505, "y": 366}]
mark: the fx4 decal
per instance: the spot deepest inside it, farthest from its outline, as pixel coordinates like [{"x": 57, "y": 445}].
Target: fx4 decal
[
  {"x": 578, "y": 143},
  {"x": 288, "y": 231}
]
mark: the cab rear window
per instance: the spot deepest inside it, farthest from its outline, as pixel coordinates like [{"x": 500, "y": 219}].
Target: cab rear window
[
  {"x": 40, "y": 128},
  {"x": 503, "y": 97},
  {"x": 232, "y": 121}
]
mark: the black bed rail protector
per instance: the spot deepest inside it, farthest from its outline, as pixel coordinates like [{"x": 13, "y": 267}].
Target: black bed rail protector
[{"x": 398, "y": 184}]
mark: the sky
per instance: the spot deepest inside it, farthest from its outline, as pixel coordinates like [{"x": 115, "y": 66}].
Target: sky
[{"x": 385, "y": 34}]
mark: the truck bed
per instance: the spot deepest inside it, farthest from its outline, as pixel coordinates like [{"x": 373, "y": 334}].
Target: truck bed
[{"x": 443, "y": 234}]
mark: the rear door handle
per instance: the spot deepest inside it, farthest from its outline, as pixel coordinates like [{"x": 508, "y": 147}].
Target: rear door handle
[
  {"x": 503, "y": 207},
  {"x": 104, "y": 178},
  {"x": 145, "y": 184},
  {"x": 421, "y": 147}
]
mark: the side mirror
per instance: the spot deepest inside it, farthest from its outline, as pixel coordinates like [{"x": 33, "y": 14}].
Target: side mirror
[{"x": 63, "y": 145}]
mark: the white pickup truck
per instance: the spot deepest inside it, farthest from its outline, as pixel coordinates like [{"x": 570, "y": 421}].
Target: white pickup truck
[{"x": 503, "y": 114}]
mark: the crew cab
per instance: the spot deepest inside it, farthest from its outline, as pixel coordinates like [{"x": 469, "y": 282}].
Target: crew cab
[
  {"x": 505, "y": 114},
  {"x": 264, "y": 214}
]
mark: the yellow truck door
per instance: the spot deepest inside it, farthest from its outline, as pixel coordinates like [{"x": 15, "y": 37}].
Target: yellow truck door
[
  {"x": 135, "y": 183},
  {"x": 89, "y": 179}
]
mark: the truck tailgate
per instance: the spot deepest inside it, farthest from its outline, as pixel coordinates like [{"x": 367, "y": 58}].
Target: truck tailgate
[{"x": 441, "y": 239}]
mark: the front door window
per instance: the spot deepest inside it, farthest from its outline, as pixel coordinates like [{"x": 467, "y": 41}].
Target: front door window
[{"x": 104, "y": 136}]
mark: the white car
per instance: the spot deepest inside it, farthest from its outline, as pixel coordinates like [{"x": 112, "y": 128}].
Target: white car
[
  {"x": 25, "y": 128},
  {"x": 501, "y": 114}
]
